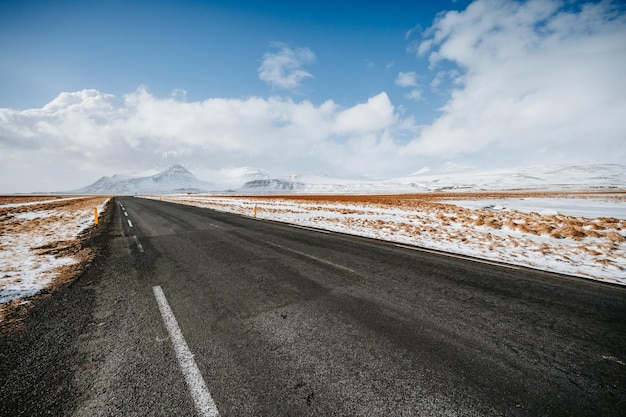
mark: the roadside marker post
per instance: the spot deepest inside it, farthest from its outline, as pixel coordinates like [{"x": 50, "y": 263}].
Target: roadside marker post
[
  {"x": 95, "y": 215},
  {"x": 255, "y": 211}
]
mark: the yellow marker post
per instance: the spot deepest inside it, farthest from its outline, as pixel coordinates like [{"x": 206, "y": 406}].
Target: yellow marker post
[
  {"x": 95, "y": 215},
  {"x": 255, "y": 211}
]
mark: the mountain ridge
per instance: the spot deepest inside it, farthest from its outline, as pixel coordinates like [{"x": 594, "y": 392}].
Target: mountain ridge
[
  {"x": 247, "y": 180},
  {"x": 175, "y": 179}
]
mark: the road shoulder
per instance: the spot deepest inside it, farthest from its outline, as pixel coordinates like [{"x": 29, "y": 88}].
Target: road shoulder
[{"x": 39, "y": 359}]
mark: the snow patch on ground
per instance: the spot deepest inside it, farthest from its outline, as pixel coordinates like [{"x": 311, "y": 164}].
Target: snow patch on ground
[
  {"x": 35, "y": 240},
  {"x": 578, "y": 207}
]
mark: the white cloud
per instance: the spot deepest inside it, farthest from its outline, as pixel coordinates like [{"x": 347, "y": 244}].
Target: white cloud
[
  {"x": 179, "y": 93},
  {"x": 406, "y": 79},
  {"x": 524, "y": 83},
  {"x": 80, "y": 136},
  {"x": 444, "y": 76},
  {"x": 414, "y": 95},
  {"x": 533, "y": 75},
  {"x": 370, "y": 117},
  {"x": 409, "y": 79},
  {"x": 409, "y": 33},
  {"x": 283, "y": 68}
]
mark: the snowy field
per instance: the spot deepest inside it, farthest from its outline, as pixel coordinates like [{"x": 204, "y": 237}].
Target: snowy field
[
  {"x": 39, "y": 242},
  {"x": 581, "y": 234}
]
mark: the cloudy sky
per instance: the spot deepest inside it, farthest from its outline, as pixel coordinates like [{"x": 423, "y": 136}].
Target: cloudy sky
[{"x": 346, "y": 89}]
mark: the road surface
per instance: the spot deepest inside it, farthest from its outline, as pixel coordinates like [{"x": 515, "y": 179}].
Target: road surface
[{"x": 282, "y": 321}]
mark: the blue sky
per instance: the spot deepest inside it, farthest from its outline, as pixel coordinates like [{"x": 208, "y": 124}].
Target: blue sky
[
  {"x": 207, "y": 48},
  {"x": 343, "y": 88}
]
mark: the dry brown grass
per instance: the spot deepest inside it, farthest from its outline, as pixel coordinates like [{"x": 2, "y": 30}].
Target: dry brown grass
[
  {"x": 14, "y": 199},
  {"x": 10, "y": 221},
  {"x": 433, "y": 220},
  {"x": 568, "y": 231},
  {"x": 12, "y": 316},
  {"x": 615, "y": 237},
  {"x": 556, "y": 226},
  {"x": 56, "y": 226}
]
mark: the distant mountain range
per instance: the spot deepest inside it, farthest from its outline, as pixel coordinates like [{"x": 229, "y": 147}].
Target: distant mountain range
[
  {"x": 452, "y": 177},
  {"x": 449, "y": 177}
]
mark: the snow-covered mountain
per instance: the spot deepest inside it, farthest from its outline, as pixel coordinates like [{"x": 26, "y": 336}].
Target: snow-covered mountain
[
  {"x": 175, "y": 179},
  {"x": 544, "y": 177},
  {"x": 448, "y": 177},
  {"x": 452, "y": 177},
  {"x": 231, "y": 178},
  {"x": 272, "y": 185}
]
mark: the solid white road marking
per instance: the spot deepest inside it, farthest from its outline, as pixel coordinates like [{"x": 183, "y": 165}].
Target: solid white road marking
[
  {"x": 130, "y": 224},
  {"x": 205, "y": 406},
  {"x": 451, "y": 255},
  {"x": 139, "y": 245},
  {"x": 297, "y": 226},
  {"x": 345, "y": 268}
]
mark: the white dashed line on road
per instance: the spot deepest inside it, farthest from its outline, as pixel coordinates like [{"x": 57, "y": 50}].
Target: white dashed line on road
[
  {"x": 613, "y": 359},
  {"x": 130, "y": 224},
  {"x": 205, "y": 406},
  {"x": 139, "y": 245}
]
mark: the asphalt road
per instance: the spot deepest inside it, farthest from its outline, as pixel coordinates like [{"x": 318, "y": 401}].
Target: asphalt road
[{"x": 283, "y": 321}]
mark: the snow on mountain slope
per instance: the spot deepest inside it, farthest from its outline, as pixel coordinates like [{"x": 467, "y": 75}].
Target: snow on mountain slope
[
  {"x": 174, "y": 179},
  {"x": 271, "y": 185},
  {"x": 231, "y": 178},
  {"x": 552, "y": 177},
  {"x": 448, "y": 177},
  {"x": 451, "y": 177}
]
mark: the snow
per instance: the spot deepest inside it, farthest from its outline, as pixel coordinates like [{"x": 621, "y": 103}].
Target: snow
[
  {"x": 583, "y": 207},
  {"x": 580, "y": 237},
  {"x": 174, "y": 179},
  {"x": 28, "y": 230},
  {"x": 35, "y": 203},
  {"x": 448, "y": 177},
  {"x": 421, "y": 171},
  {"x": 580, "y": 233},
  {"x": 451, "y": 177}
]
